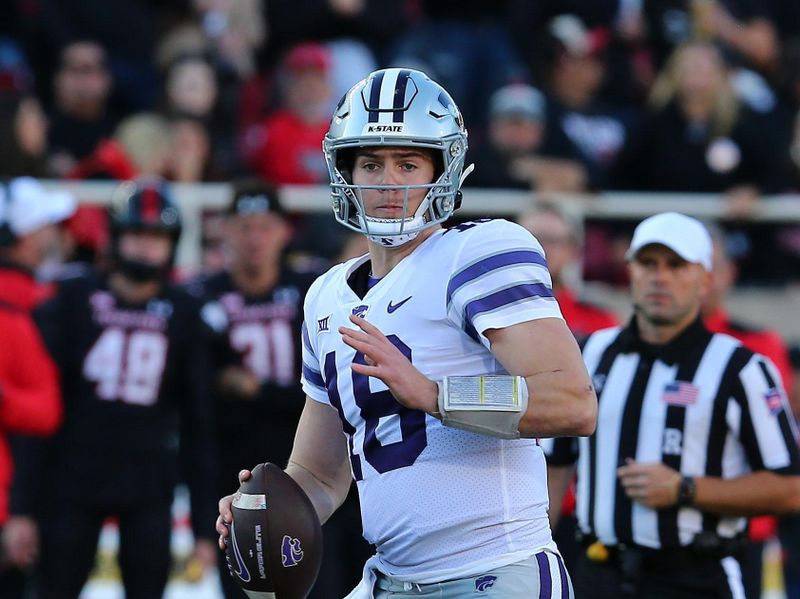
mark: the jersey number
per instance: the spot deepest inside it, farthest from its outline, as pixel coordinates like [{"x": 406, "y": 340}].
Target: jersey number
[
  {"x": 383, "y": 418},
  {"x": 268, "y": 349},
  {"x": 127, "y": 366}
]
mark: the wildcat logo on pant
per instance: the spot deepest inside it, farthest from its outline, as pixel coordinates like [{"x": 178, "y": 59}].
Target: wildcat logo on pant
[{"x": 484, "y": 583}]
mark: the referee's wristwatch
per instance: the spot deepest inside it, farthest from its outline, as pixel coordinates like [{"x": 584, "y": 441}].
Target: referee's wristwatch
[{"x": 687, "y": 491}]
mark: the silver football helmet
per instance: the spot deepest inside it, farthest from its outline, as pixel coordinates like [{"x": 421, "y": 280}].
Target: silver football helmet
[{"x": 396, "y": 107}]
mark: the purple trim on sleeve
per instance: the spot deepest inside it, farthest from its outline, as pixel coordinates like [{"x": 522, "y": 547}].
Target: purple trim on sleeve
[
  {"x": 306, "y": 340},
  {"x": 501, "y": 298},
  {"x": 491, "y": 263},
  {"x": 313, "y": 377}
]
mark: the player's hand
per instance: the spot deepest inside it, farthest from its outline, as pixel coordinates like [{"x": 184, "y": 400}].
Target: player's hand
[
  {"x": 225, "y": 514},
  {"x": 385, "y": 362},
  {"x": 20, "y": 542},
  {"x": 653, "y": 485},
  {"x": 235, "y": 381}
]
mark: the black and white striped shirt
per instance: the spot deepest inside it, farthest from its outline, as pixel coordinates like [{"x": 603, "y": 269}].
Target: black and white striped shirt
[{"x": 702, "y": 404}]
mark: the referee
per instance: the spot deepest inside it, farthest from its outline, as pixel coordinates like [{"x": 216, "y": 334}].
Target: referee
[{"x": 693, "y": 436}]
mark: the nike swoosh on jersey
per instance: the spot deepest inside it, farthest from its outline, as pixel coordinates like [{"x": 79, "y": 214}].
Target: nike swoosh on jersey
[{"x": 392, "y": 307}]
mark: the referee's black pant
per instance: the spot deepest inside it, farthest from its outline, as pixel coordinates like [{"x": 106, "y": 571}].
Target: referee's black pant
[{"x": 659, "y": 575}]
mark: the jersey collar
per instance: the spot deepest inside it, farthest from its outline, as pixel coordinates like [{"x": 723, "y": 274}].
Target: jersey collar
[{"x": 694, "y": 336}]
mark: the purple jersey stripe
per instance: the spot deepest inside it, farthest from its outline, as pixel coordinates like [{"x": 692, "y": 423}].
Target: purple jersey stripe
[
  {"x": 501, "y": 298},
  {"x": 564, "y": 578},
  {"x": 545, "y": 581},
  {"x": 313, "y": 377},
  {"x": 492, "y": 263}
]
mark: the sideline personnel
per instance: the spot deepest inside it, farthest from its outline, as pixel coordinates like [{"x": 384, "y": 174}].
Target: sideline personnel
[
  {"x": 693, "y": 435},
  {"x": 30, "y": 401}
]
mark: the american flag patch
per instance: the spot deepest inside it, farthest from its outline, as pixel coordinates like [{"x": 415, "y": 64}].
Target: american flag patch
[
  {"x": 774, "y": 400},
  {"x": 680, "y": 393}
]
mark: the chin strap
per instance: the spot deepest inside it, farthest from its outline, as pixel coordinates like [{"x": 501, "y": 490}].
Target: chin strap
[
  {"x": 393, "y": 241},
  {"x": 460, "y": 196},
  {"x": 466, "y": 174}
]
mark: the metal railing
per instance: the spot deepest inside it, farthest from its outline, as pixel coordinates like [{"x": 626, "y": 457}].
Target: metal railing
[{"x": 194, "y": 198}]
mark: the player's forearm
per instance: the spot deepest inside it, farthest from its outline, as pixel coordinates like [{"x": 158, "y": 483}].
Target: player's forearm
[
  {"x": 569, "y": 409},
  {"x": 325, "y": 496},
  {"x": 750, "y": 495},
  {"x": 559, "y": 404},
  {"x": 561, "y": 398}
]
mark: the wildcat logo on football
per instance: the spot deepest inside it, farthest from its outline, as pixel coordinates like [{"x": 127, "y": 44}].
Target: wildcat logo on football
[{"x": 291, "y": 552}]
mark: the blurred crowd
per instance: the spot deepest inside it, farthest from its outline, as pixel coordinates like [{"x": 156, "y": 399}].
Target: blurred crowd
[{"x": 576, "y": 96}]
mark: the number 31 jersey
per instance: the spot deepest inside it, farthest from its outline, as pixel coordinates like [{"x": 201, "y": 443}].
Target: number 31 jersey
[{"x": 439, "y": 503}]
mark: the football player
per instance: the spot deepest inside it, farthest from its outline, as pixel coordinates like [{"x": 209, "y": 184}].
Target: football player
[
  {"x": 258, "y": 397},
  {"x": 440, "y": 355},
  {"x": 133, "y": 355},
  {"x": 258, "y": 359}
]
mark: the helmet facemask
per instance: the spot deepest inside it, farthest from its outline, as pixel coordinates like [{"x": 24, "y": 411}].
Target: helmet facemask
[{"x": 431, "y": 121}]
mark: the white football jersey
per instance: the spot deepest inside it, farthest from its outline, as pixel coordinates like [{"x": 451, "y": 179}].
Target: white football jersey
[{"x": 438, "y": 503}]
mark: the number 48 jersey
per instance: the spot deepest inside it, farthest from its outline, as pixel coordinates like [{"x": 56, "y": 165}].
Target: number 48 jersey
[
  {"x": 135, "y": 381},
  {"x": 439, "y": 503}
]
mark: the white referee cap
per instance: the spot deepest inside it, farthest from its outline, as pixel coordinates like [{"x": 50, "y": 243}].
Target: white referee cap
[{"x": 684, "y": 235}]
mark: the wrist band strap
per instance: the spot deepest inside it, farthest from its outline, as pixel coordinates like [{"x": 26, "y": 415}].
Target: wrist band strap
[{"x": 491, "y": 404}]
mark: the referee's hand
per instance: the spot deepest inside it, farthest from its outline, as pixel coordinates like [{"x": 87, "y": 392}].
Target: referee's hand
[{"x": 653, "y": 485}]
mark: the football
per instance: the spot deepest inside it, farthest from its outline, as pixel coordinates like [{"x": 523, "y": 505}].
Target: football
[{"x": 274, "y": 548}]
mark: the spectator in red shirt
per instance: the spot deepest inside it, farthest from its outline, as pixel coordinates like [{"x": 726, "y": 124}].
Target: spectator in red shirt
[
  {"x": 766, "y": 342},
  {"x": 30, "y": 402},
  {"x": 559, "y": 237},
  {"x": 292, "y": 136}
]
